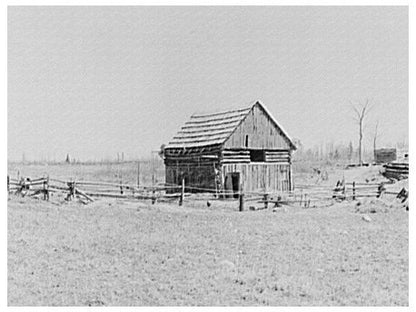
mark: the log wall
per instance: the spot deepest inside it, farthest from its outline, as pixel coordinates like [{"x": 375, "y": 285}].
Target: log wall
[
  {"x": 243, "y": 156},
  {"x": 283, "y": 157},
  {"x": 201, "y": 176},
  {"x": 273, "y": 175},
  {"x": 235, "y": 156},
  {"x": 198, "y": 171}
]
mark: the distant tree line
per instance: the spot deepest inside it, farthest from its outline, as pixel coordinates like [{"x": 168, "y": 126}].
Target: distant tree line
[{"x": 341, "y": 153}]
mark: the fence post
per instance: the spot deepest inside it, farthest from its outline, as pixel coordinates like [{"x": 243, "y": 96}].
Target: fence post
[
  {"x": 379, "y": 190},
  {"x": 69, "y": 196},
  {"x": 21, "y": 187},
  {"x": 344, "y": 190},
  {"x": 241, "y": 207},
  {"x": 120, "y": 175},
  {"x": 46, "y": 188},
  {"x": 353, "y": 190},
  {"x": 182, "y": 192},
  {"x": 71, "y": 186},
  {"x": 153, "y": 196},
  {"x": 73, "y": 190},
  {"x": 266, "y": 204}
]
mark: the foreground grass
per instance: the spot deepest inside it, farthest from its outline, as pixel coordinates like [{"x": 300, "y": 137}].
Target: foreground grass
[{"x": 120, "y": 253}]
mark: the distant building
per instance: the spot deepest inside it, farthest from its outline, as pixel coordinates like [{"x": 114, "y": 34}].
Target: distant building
[
  {"x": 385, "y": 155},
  {"x": 224, "y": 151}
]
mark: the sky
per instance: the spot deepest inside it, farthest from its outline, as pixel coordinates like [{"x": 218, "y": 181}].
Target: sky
[{"x": 97, "y": 81}]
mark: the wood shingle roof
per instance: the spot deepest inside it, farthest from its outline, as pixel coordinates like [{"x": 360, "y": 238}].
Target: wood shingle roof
[{"x": 215, "y": 128}]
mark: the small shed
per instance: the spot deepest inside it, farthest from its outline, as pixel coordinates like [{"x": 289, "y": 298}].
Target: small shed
[
  {"x": 227, "y": 151},
  {"x": 385, "y": 155}
]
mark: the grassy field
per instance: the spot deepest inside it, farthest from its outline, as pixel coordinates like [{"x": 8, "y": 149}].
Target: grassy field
[
  {"x": 111, "y": 172},
  {"x": 132, "y": 253},
  {"x": 119, "y": 252}
]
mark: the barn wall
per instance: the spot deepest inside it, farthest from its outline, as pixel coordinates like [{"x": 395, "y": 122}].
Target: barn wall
[
  {"x": 283, "y": 157},
  {"x": 243, "y": 156},
  {"x": 270, "y": 177},
  {"x": 235, "y": 156},
  {"x": 196, "y": 175},
  {"x": 262, "y": 133}
]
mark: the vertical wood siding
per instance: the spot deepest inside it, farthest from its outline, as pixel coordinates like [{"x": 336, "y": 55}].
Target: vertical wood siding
[
  {"x": 262, "y": 133},
  {"x": 259, "y": 177}
]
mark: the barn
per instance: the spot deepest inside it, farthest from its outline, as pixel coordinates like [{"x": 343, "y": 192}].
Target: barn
[
  {"x": 385, "y": 155},
  {"x": 225, "y": 151}
]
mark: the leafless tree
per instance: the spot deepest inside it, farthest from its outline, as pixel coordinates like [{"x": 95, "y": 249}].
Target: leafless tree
[{"x": 361, "y": 111}]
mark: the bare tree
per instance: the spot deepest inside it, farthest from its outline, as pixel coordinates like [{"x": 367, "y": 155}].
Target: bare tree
[
  {"x": 350, "y": 151},
  {"x": 361, "y": 110}
]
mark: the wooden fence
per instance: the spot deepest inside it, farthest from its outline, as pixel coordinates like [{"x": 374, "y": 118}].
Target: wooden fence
[
  {"x": 396, "y": 171},
  {"x": 346, "y": 190},
  {"x": 86, "y": 191}
]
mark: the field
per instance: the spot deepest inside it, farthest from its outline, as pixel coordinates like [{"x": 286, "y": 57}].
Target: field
[
  {"x": 111, "y": 172},
  {"x": 119, "y": 252}
]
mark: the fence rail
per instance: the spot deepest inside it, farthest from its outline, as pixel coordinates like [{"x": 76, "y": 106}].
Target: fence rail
[{"x": 86, "y": 191}]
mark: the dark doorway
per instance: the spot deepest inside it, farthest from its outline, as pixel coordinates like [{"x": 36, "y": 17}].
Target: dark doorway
[{"x": 232, "y": 184}]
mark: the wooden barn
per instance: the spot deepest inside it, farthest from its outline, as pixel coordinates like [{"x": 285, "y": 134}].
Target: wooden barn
[
  {"x": 224, "y": 151},
  {"x": 385, "y": 155}
]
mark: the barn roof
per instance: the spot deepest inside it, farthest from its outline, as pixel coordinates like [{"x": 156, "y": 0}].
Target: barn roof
[{"x": 215, "y": 128}]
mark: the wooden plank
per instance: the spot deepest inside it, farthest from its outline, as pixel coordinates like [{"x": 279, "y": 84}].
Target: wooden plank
[
  {"x": 117, "y": 185},
  {"x": 84, "y": 194},
  {"x": 38, "y": 182},
  {"x": 98, "y": 194},
  {"x": 236, "y": 161},
  {"x": 237, "y": 157},
  {"x": 236, "y": 152},
  {"x": 58, "y": 180},
  {"x": 38, "y": 179},
  {"x": 200, "y": 151},
  {"x": 58, "y": 188}
]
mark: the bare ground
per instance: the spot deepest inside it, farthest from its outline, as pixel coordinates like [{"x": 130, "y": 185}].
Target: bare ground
[{"x": 132, "y": 253}]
